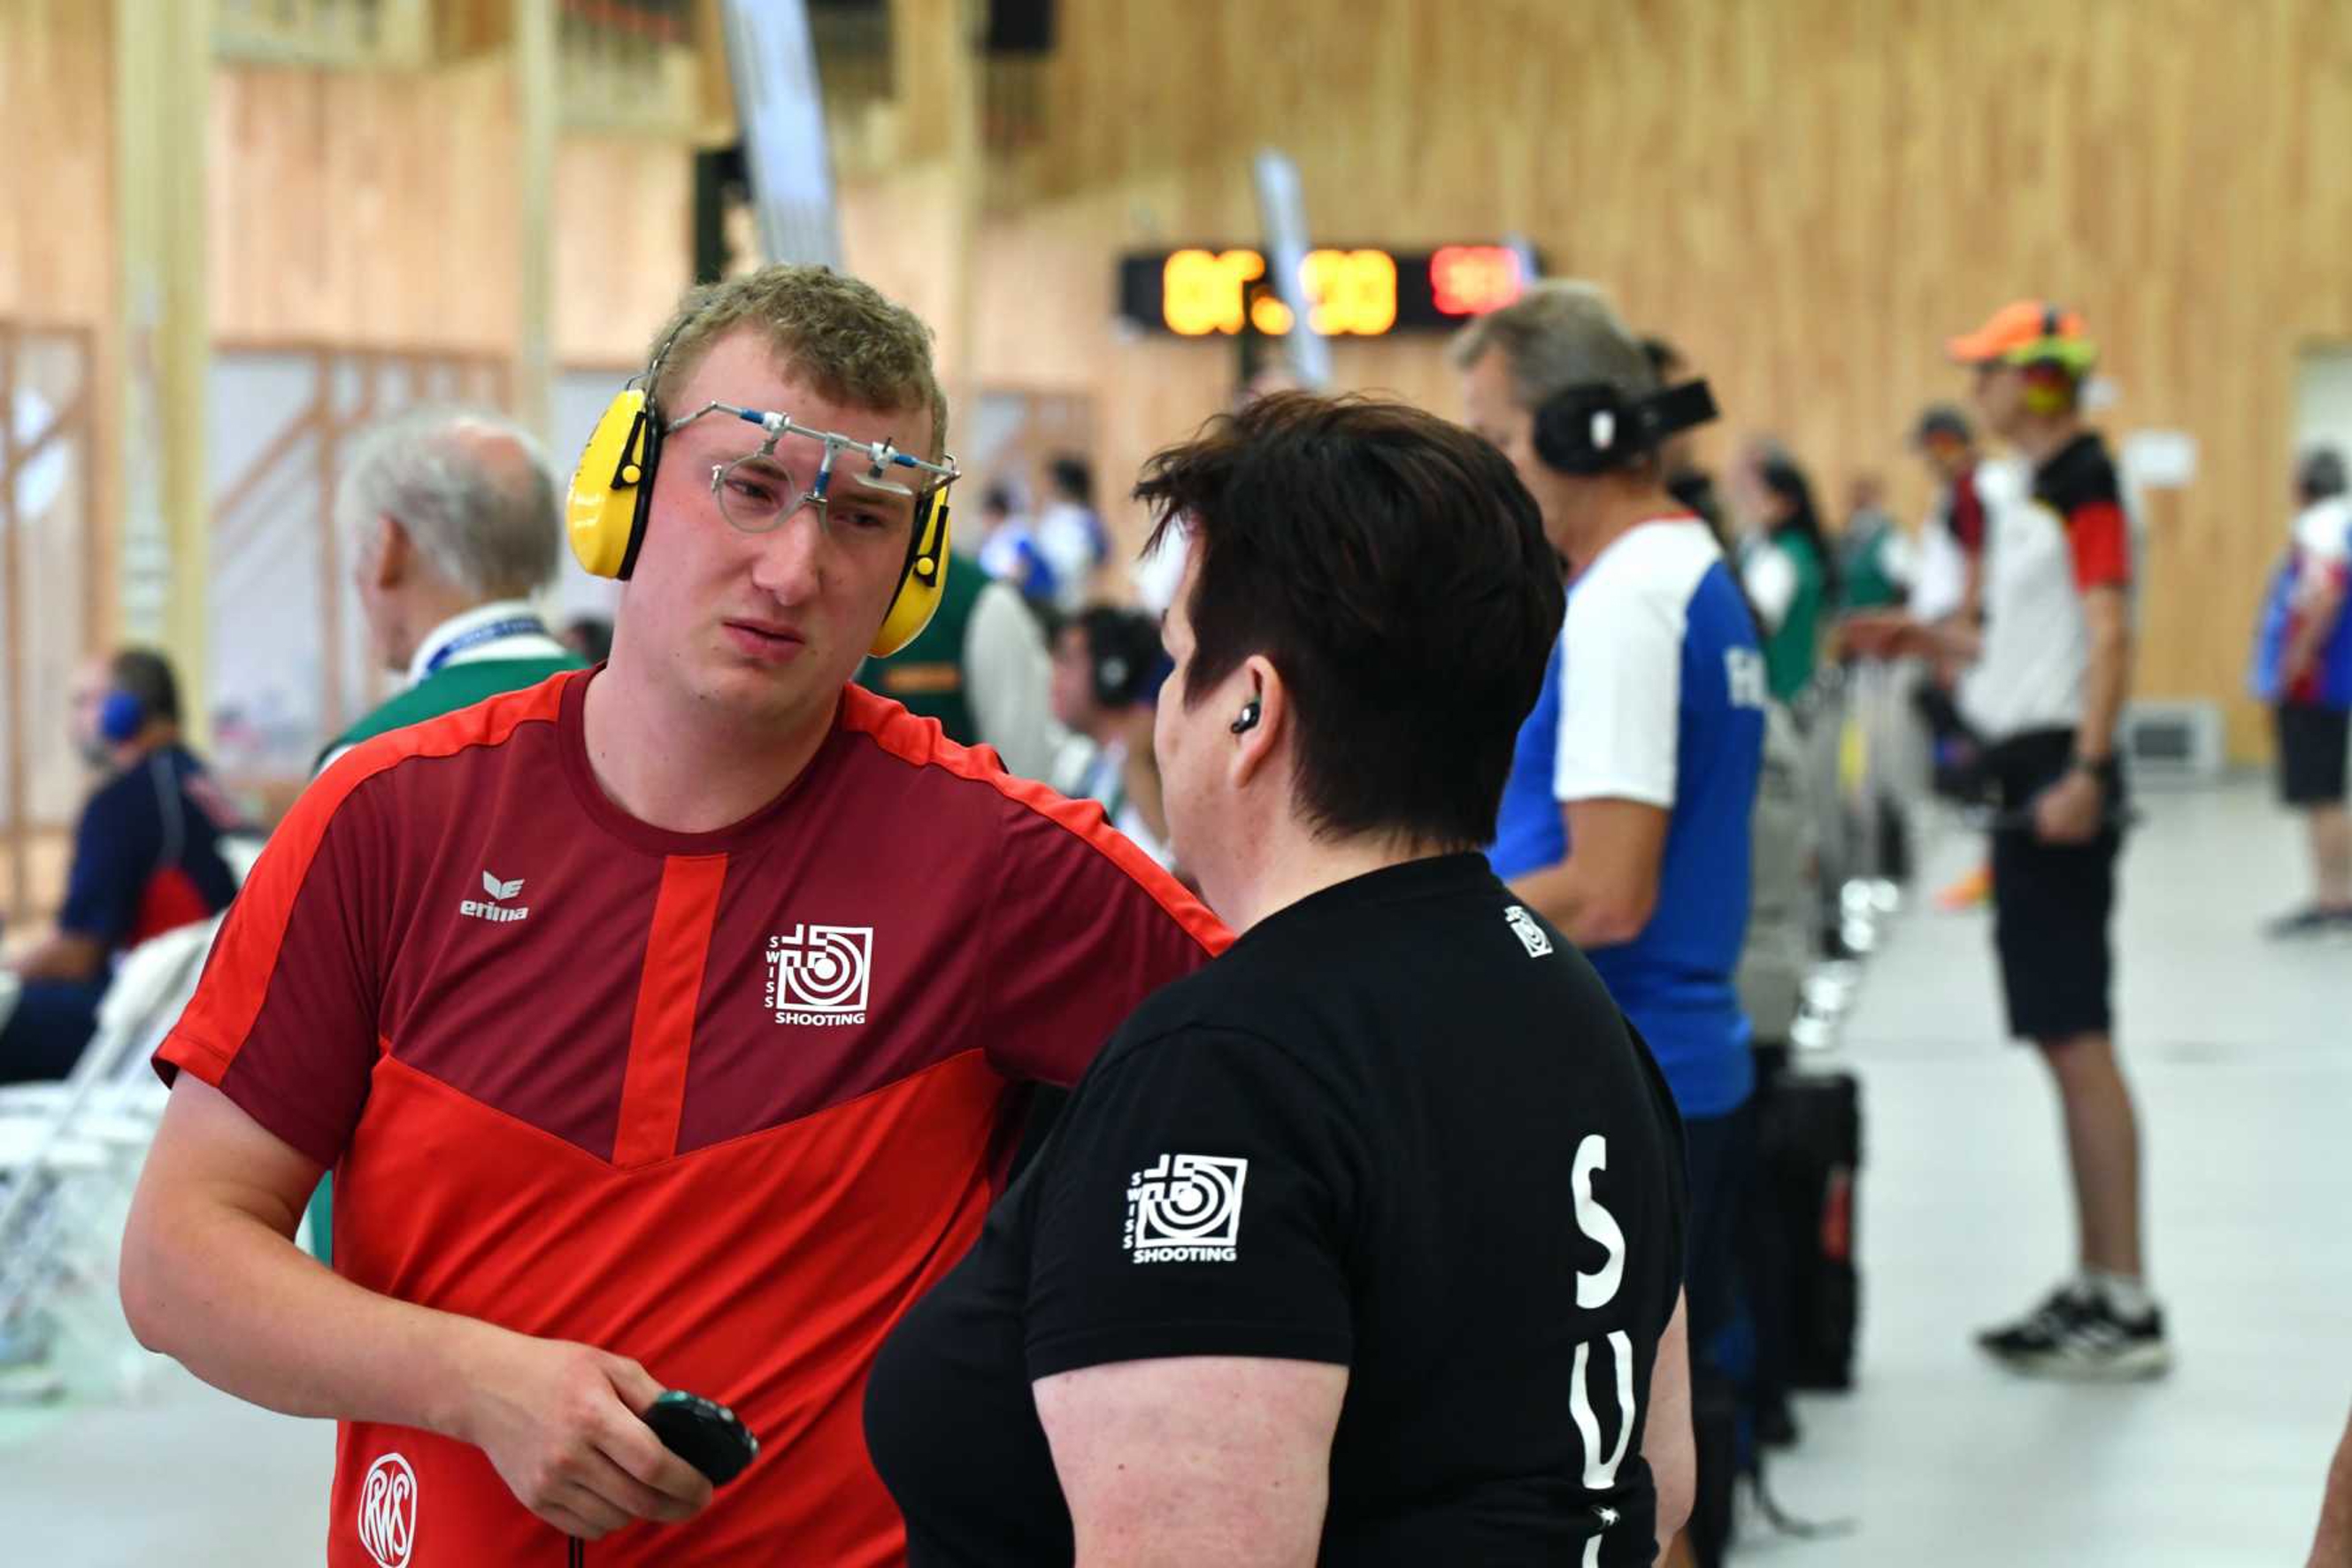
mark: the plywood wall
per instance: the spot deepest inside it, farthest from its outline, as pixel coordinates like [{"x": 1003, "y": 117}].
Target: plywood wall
[
  {"x": 1808, "y": 194},
  {"x": 378, "y": 210},
  {"x": 57, "y": 197}
]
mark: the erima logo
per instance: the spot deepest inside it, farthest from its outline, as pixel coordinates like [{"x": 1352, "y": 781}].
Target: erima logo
[
  {"x": 493, "y": 909},
  {"x": 388, "y": 1511},
  {"x": 1531, "y": 935},
  {"x": 1187, "y": 1208}
]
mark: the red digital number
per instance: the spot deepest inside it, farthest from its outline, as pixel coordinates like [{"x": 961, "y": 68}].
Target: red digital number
[{"x": 1472, "y": 279}]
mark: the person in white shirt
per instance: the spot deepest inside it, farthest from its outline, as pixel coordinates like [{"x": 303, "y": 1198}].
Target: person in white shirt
[{"x": 1069, "y": 532}]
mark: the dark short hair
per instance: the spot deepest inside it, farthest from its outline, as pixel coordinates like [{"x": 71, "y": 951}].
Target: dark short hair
[
  {"x": 1942, "y": 419},
  {"x": 593, "y": 636},
  {"x": 1123, "y": 652},
  {"x": 2320, "y": 474},
  {"x": 1072, "y": 478},
  {"x": 1394, "y": 570},
  {"x": 146, "y": 675}
]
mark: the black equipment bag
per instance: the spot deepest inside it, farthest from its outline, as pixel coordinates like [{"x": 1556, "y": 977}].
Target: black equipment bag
[{"x": 1807, "y": 1291}]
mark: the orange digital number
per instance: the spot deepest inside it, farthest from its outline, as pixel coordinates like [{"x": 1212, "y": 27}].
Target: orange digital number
[
  {"x": 1472, "y": 279},
  {"x": 1200, "y": 291},
  {"x": 1348, "y": 293},
  {"x": 1353, "y": 292}
]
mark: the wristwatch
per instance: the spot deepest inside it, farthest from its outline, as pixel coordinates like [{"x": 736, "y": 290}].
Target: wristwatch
[{"x": 2107, "y": 773}]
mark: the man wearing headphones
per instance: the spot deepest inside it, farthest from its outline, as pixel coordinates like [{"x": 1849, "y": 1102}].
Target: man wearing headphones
[
  {"x": 146, "y": 857},
  {"x": 1626, "y": 819},
  {"x": 667, "y": 1026},
  {"x": 2048, "y": 672},
  {"x": 1107, "y": 665}
]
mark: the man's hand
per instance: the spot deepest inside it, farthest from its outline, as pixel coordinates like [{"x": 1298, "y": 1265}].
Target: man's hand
[
  {"x": 1875, "y": 633},
  {"x": 2071, "y": 811},
  {"x": 560, "y": 1422}
]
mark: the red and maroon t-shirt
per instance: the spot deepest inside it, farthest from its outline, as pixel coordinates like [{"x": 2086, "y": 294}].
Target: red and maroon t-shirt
[{"x": 726, "y": 1103}]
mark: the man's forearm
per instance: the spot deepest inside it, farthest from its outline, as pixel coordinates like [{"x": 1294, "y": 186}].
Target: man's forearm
[
  {"x": 1554, "y": 893},
  {"x": 2333, "y": 1546},
  {"x": 1563, "y": 895},
  {"x": 2105, "y": 683},
  {"x": 2317, "y": 625},
  {"x": 242, "y": 1307},
  {"x": 61, "y": 955}
]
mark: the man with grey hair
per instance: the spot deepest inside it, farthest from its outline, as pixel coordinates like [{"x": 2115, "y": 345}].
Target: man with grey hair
[
  {"x": 1626, "y": 820},
  {"x": 452, "y": 517},
  {"x": 453, "y": 524}
]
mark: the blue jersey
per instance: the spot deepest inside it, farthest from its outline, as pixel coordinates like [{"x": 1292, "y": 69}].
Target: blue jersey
[
  {"x": 1656, "y": 694},
  {"x": 147, "y": 853},
  {"x": 2318, "y": 562}
]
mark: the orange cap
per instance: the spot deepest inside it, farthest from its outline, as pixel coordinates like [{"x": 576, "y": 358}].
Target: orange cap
[{"x": 2021, "y": 324}]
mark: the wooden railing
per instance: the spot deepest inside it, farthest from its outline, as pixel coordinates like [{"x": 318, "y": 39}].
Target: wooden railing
[{"x": 50, "y": 582}]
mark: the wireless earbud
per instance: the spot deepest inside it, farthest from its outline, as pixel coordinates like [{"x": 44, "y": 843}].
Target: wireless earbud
[{"x": 1248, "y": 720}]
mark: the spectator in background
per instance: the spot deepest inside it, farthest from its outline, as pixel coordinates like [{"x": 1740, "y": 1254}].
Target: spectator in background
[
  {"x": 2048, "y": 675},
  {"x": 1784, "y": 563},
  {"x": 454, "y": 524},
  {"x": 1070, "y": 533},
  {"x": 590, "y": 638},
  {"x": 980, "y": 668},
  {"x": 1874, "y": 558},
  {"x": 1945, "y": 591},
  {"x": 2302, "y": 669},
  {"x": 146, "y": 858},
  {"x": 1951, "y": 545},
  {"x": 1008, "y": 548},
  {"x": 1108, "y": 667},
  {"x": 1627, "y": 817}
]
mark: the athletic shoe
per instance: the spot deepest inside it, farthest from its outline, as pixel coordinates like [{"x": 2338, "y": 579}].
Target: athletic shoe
[
  {"x": 2076, "y": 1335},
  {"x": 2313, "y": 919}
]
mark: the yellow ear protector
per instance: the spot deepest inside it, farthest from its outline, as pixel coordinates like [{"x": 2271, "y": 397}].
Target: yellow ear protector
[
  {"x": 2054, "y": 364},
  {"x": 610, "y": 498}
]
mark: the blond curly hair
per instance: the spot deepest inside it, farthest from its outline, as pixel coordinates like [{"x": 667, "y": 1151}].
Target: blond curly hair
[{"x": 851, "y": 344}]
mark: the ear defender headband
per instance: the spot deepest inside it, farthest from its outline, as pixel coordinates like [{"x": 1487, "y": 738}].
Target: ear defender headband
[
  {"x": 611, "y": 498},
  {"x": 1591, "y": 428}
]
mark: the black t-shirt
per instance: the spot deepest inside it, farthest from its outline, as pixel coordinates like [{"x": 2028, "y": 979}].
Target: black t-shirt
[{"x": 1399, "y": 1127}]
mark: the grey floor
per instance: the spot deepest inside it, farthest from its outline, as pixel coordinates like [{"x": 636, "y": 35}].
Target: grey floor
[{"x": 2242, "y": 1057}]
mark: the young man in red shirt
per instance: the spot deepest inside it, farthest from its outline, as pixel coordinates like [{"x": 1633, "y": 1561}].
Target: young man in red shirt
[{"x": 666, "y": 1025}]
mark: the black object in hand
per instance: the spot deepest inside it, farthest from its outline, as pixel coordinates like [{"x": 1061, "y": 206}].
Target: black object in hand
[{"x": 703, "y": 1433}]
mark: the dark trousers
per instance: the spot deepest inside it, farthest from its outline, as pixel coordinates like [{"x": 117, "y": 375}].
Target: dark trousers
[
  {"x": 45, "y": 1036},
  {"x": 1721, "y": 1151}
]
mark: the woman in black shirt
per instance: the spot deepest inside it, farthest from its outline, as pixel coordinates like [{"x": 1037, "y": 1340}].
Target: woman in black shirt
[{"x": 1362, "y": 1245}]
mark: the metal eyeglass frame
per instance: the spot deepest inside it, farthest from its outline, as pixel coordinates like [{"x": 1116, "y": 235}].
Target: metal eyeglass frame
[{"x": 879, "y": 457}]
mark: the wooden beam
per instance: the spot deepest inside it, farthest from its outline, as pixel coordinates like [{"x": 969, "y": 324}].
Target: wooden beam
[
  {"x": 12, "y": 653},
  {"x": 538, "y": 92},
  {"x": 162, "y": 83}
]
